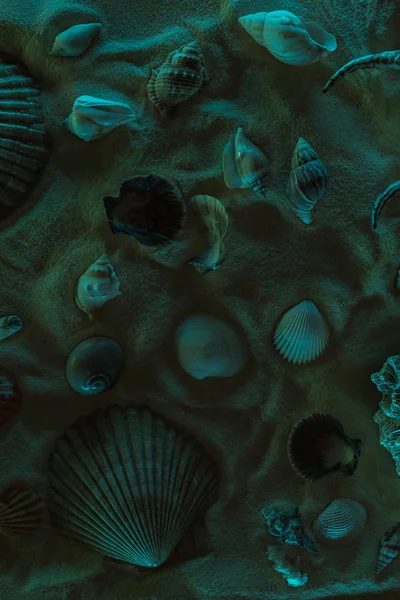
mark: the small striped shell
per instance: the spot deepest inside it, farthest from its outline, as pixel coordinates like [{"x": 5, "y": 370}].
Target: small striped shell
[
  {"x": 9, "y": 326},
  {"x": 10, "y": 400},
  {"x": 97, "y": 286},
  {"x": 340, "y": 522},
  {"x": 21, "y": 512},
  {"x": 302, "y": 334},
  {"x": 244, "y": 165},
  {"x": 214, "y": 217},
  {"x": 208, "y": 347},
  {"x": 389, "y": 547},
  {"x": 75, "y": 40}
]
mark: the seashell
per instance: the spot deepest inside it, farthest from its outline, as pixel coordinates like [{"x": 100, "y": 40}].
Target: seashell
[
  {"x": 24, "y": 143},
  {"x": 129, "y": 485},
  {"x": 290, "y": 571},
  {"x": 208, "y": 347},
  {"x": 178, "y": 78},
  {"x": 389, "y": 547},
  {"x": 244, "y": 165},
  {"x": 307, "y": 180},
  {"x": 97, "y": 286},
  {"x": 75, "y": 40},
  {"x": 318, "y": 446},
  {"x": 340, "y": 523},
  {"x": 371, "y": 61},
  {"x": 289, "y": 38},
  {"x": 10, "y": 399},
  {"x": 95, "y": 365},
  {"x": 214, "y": 217},
  {"x": 302, "y": 334},
  {"x": 387, "y": 378},
  {"x": 9, "y": 326},
  {"x": 93, "y": 118},
  {"x": 288, "y": 527},
  {"x": 382, "y": 200},
  {"x": 21, "y": 512},
  {"x": 149, "y": 208},
  {"x": 389, "y": 433}
]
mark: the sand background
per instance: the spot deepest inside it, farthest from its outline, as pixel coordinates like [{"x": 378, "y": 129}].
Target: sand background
[{"x": 274, "y": 262}]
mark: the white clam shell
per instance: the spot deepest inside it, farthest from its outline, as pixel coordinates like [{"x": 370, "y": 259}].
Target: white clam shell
[
  {"x": 289, "y": 38},
  {"x": 244, "y": 165},
  {"x": 97, "y": 286},
  {"x": 75, "y": 40},
  {"x": 214, "y": 217},
  {"x": 340, "y": 522},
  {"x": 9, "y": 326}
]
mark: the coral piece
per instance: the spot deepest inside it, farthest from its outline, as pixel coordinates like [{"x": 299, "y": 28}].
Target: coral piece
[
  {"x": 215, "y": 220},
  {"x": 287, "y": 526},
  {"x": 389, "y": 435},
  {"x": 9, "y": 326},
  {"x": 389, "y": 547},
  {"x": 21, "y": 512},
  {"x": 382, "y": 200},
  {"x": 341, "y": 521},
  {"x": 93, "y": 118},
  {"x": 290, "y": 572},
  {"x": 244, "y": 165},
  {"x": 97, "y": 286},
  {"x": 75, "y": 40},
  {"x": 10, "y": 400}
]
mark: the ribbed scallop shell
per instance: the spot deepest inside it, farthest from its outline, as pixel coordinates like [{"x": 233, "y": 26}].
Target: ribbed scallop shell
[
  {"x": 10, "y": 400},
  {"x": 24, "y": 143},
  {"x": 181, "y": 76},
  {"x": 307, "y": 180},
  {"x": 208, "y": 347},
  {"x": 244, "y": 165},
  {"x": 97, "y": 286},
  {"x": 302, "y": 334},
  {"x": 214, "y": 217},
  {"x": 9, "y": 326},
  {"x": 340, "y": 522},
  {"x": 21, "y": 512},
  {"x": 75, "y": 40},
  {"x": 128, "y": 484},
  {"x": 389, "y": 547}
]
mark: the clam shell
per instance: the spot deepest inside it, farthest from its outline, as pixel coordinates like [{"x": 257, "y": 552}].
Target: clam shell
[
  {"x": 9, "y": 326},
  {"x": 214, "y": 217},
  {"x": 340, "y": 523},
  {"x": 302, "y": 334},
  {"x": 208, "y": 347},
  {"x": 318, "y": 446},
  {"x": 128, "y": 484},
  {"x": 95, "y": 365},
  {"x": 389, "y": 547},
  {"x": 97, "y": 286},
  {"x": 149, "y": 208},
  {"x": 21, "y": 512},
  {"x": 75, "y": 40},
  {"x": 10, "y": 400}
]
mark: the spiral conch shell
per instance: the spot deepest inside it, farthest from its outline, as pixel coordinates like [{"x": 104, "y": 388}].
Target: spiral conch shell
[
  {"x": 244, "y": 165},
  {"x": 215, "y": 220},
  {"x": 289, "y": 38},
  {"x": 92, "y": 118},
  {"x": 97, "y": 286},
  {"x": 75, "y": 40}
]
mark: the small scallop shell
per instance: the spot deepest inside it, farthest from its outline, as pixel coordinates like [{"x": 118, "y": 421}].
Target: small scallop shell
[
  {"x": 95, "y": 365},
  {"x": 9, "y": 326},
  {"x": 97, "y": 286},
  {"x": 302, "y": 333},
  {"x": 340, "y": 522},
  {"x": 307, "y": 180},
  {"x": 207, "y": 347},
  {"x": 10, "y": 400},
  {"x": 389, "y": 547},
  {"x": 215, "y": 220},
  {"x": 75, "y": 40},
  {"x": 21, "y": 512},
  {"x": 244, "y": 165}
]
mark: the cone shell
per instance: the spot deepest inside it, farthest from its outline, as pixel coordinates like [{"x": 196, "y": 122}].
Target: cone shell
[
  {"x": 302, "y": 334},
  {"x": 181, "y": 76},
  {"x": 211, "y": 212},
  {"x": 252, "y": 164},
  {"x": 340, "y": 522},
  {"x": 75, "y": 40},
  {"x": 10, "y": 400},
  {"x": 97, "y": 286},
  {"x": 128, "y": 484},
  {"x": 208, "y": 347},
  {"x": 21, "y": 512},
  {"x": 149, "y": 208},
  {"x": 9, "y": 326},
  {"x": 389, "y": 547},
  {"x": 318, "y": 446}
]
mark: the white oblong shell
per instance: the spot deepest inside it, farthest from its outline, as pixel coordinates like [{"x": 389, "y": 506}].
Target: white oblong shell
[
  {"x": 9, "y": 326},
  {"x": 97, "y": 286},
  {"x": 92, "y": 118},
  {"x": 75, "y": 40},
  {"x": 252, "y": 164},
  {"x": 340, "y": 522},
  {"x": 208, "y": 347},
  {"x": 214, "y": 217},
  {"x": 302, "y": 333}
]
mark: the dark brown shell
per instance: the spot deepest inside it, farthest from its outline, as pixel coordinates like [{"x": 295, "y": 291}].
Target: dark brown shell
[
  {"x": 10, "y": 400},
  {"x": 149, "y": 208},
  {"x": 21, "y": 512}
]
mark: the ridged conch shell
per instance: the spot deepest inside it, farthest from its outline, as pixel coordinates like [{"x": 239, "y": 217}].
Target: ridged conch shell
[
  {"x": 214, "y": 217},
  {"x": 93, "y": 118},
  {"x": 95, "y": 365},
  {"x": 371, "y": 61},
  {"x": 382, "y": 200},
  {"x": 24, "y": 143},
  {"x": 9, "y": 326},
  {"x": 149, "y": 208},
  {"x": 178, "y": 78},
  {"x": 75, "y": 40},
  {"x": 307, "y": 180},
  {"x": 302, "y": 334},
  {"x": 208, "y": 347},
  {"x": 10, "y": 399},
  {"x": 289, "y": 38},
  {"x": 340, "y": 522},
  {"x": 319, "y": 446},
  {"x": 97, "y": 286},
  {"x": 389, "y": 547},
  {"x": 244, "y": 165},
  {"x": 21, "y": 512},
  {"x": 128, "y": 484}
]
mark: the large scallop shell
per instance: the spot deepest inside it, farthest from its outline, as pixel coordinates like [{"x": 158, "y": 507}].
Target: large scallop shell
[
  {"x": 208, "y": 347},
  {"x": 318, "y": 446},
  {"x": 95, "y": 365},
  {"x": 21, "y": 512},
  {"x": 389, "y": 547},
  {"x": 9, "y": 326},
  {"x": 302, "y": 333},
  {"x": 181, "y": 76},
  {"x": 24, "y": 143},
  {"x": 289, "y": 38},
  {"x": 244, "y": 165},
  {"x": 97, "y": 286},
  {"x": 340, "y": 522},
  {"x": 10, "y": 399},
  {"x": 75, "y": 40},
  {"x": 214, "y": 217},
  {"x": 149, "y": 208},
  {"x": 128, "y": 484}
]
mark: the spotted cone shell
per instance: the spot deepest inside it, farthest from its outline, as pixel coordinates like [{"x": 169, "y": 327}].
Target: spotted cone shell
[
  {"x": 389, "y": 547},
  {"x": 97, "y": 286},
  {"x": 21, "y": 512},
  {"x": 10, "y": 400},
  {"x": 340, "y": 522}
]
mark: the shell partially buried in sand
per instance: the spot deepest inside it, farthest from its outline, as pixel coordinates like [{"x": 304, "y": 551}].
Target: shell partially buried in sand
[
  {"x": 340, "y": 523},
  {"x": 75, "y": 40},
  {"x": 21, "y": 512}
]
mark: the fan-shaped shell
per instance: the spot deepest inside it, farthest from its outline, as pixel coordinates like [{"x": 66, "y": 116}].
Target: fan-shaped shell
[
  {"x": 307, "y": 180},
  {"x": 302, "y": 334},
  {"x": 244, "y": 165},
  {"x": 208, "y": 347},
  {"x": 128, "y": 484},
  {"x": 181, "y": 76},
  {"x": 389, "y": 547},
  {"x": 289, "y": 38},
  {"x": 214, "y": 217},
  {"x": 21, "y": 512},
  {"x": 95, "y": 365},
  {"x": 10, "y": 399},
  {"x": 24, "y": 143},
  {"x": 149, "y": 208},
  {"x": 318, "y": 446},
  {"x": 341, "y": 521},
  {"x": 97, "y": 286},
  {"x": 75, "y": 40},
  {"x": 9, "y": 326}
]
